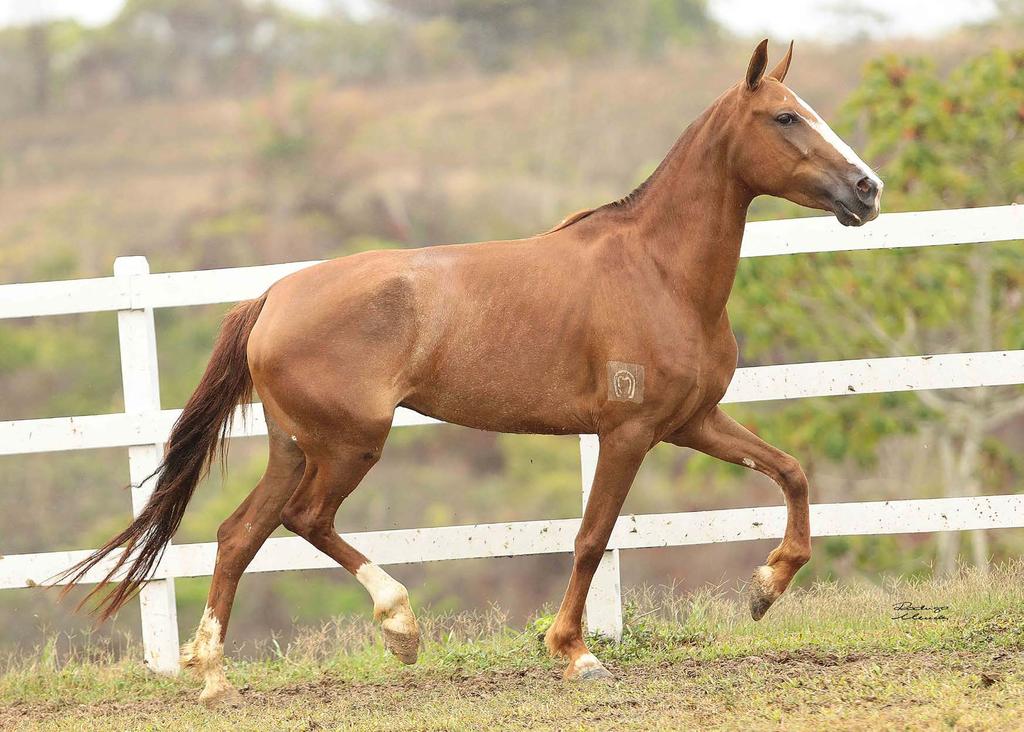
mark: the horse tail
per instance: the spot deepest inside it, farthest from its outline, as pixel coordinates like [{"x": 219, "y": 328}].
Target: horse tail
[{"x": 191, "y": 449}]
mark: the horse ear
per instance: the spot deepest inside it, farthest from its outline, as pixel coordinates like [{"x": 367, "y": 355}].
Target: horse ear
[
  {"x": 779, "y": 72},
  {"x": 758, "y": 63}
]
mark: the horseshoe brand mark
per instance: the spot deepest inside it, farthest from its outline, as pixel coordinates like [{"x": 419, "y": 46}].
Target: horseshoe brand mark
[{"x": 625, "y": 382}]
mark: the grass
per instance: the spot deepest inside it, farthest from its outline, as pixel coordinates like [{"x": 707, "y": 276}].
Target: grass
[{"x": 831, "y": 656}]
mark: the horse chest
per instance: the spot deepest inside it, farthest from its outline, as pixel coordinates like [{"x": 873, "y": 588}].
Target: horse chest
[{"x": 692, "y": 375}]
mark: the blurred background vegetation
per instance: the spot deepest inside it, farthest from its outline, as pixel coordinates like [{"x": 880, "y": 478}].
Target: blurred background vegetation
[{"x": 211, "y": 134}]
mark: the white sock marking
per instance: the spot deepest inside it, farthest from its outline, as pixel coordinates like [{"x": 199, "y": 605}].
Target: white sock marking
[
  {"x": 586, "y": 662},
  {"x": 206, "y": 654},
  {"x": 391, "y": 608},
  {"x": 387, "y": 593}
]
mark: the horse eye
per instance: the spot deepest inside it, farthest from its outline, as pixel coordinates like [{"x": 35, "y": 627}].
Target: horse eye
[{"x": 785, "y": 118}]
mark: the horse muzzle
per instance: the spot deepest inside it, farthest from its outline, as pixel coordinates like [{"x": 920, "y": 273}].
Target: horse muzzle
[{"x": 858, "y": 201}]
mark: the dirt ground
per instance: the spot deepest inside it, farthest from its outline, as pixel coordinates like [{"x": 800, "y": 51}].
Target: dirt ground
[
  {"x": 773, "y": 691},
  {"x": 834, "y": 657}
]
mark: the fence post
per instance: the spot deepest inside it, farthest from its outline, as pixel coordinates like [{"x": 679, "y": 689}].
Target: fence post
[
  {"x": 140, "y": 381},
  {"x": 604, "y": 602}
]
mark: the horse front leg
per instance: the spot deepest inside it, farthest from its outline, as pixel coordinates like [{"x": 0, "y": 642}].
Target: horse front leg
[
  {"x": 621, "y": 453},
  {"x": 722, "y": 437}
]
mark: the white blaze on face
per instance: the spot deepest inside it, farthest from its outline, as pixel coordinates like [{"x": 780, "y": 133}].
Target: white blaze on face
[{"x": 832, "y": 139}]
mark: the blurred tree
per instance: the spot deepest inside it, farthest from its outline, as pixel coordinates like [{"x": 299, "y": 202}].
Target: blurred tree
[
  {"x": 944, "y": 143},
  {"x": 1010, "y": 11},
  {"x": 496, "y": 32},
  {"x": 184, "y": 46},
  {"x": 38, "y": 37}
]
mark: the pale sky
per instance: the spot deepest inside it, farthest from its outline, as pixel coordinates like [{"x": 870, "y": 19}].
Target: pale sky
[{"x": 781, "y": 19}]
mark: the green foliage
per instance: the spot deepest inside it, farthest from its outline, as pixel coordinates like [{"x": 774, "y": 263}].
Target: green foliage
[
  {"x": 953, "y": 141},
  {"x": 939, "y": 142},
  {"x": 285, "y": 133},
  {"x": 928, "y": 134},
  {"x": 303, "y": 170},
  {"x": 866, "y": 556},
  {"x": 543, "y": 470}
]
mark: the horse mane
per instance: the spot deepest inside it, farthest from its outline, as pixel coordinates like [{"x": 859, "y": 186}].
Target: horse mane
[
  {"x": 570, "y": 220},
  {"x": 634, "y": 196},
  {"x": 624, "y": 202},
  {"x": 627, "y": 200}
]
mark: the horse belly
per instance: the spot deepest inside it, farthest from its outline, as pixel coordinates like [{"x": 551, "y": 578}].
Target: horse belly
[
  {"x": 505, "y": 401},
  {"x": 509, "y": 382}
]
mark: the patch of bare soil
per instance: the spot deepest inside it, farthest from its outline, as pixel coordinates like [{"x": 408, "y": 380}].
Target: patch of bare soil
[{"x": 676, "y": 695}]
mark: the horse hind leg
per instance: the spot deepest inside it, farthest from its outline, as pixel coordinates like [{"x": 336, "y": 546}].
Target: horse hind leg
[
  {"x": 238, "y": 539},
  {"x": 310, "y": 512}
]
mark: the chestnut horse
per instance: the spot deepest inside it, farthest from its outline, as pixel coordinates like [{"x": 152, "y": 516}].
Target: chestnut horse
[{"x": 613, "y": 323}]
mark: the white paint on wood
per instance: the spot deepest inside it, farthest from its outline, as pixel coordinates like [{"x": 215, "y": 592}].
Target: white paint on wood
[
  {"x": 888, "y": 231},
  {"x": 757, "y": 383},
  {"x": 140, "y": 379},
  {"x": 133, "y": 292},
  {"x": 604, "y": 601},
  {"x": 523, "y": 538},
  {"x": 872, "y": 375},
  {"x": 763, "y": 238},
  {"x": 32, "y": 299}
]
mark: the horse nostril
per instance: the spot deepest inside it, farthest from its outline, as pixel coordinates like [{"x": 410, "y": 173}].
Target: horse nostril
[{"x": 867, "y": 189}]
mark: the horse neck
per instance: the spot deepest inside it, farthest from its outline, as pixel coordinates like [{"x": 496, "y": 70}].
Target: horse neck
[{"x": 692, "y": 212}]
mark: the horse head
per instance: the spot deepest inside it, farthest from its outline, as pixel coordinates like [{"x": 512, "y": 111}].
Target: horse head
[{"x": 782, "y": 147}]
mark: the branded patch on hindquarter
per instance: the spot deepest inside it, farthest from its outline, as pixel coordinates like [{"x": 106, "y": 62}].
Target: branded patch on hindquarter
[{"x": 625, "y": 382}]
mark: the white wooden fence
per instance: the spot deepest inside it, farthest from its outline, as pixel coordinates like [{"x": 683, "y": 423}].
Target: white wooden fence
[{"x": 143, "y": 427}]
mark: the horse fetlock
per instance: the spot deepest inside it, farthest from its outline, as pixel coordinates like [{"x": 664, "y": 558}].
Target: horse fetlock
[
  {"x": 786, "y": 554},
  {"x": 392, "y": 609},
  {"x": 568, "y": 643},
  {"x": 560, "y": 643},
  {"x": 390, "y": 601},
  {"x": 204, "y": 655}
]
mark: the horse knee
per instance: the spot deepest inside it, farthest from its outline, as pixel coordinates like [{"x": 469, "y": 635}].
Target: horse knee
[
  {"x": 792, "y": 477},
  {"x": 589, "y": 550}
]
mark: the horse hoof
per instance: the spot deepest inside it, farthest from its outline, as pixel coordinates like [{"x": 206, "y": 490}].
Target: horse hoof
[
  {"x": 220, "y": 695},
  {"x": 402, "y": 637},
  {"x": 596, "y": 674},
  {"x": 762, "y": 594},
  {"x": 587, "y": 668}
]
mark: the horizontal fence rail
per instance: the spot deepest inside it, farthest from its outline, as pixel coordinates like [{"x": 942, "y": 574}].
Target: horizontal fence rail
[
  {"x": 525, "y": 538},
  {"x": 752, "y": 384},
  {"x": 133, "y": 293},
  {"x": 761, "y": 239}
]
